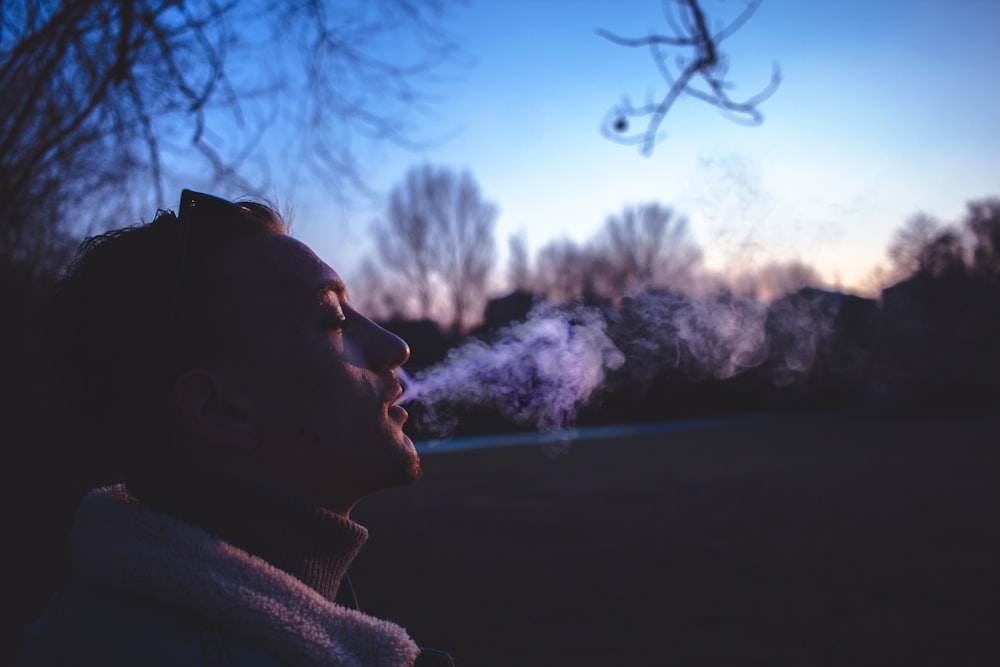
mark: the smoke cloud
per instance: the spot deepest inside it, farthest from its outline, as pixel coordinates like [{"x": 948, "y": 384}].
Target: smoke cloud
[{"x": 539, "y": 372}]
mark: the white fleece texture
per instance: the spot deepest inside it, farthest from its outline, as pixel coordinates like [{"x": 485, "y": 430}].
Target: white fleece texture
[{"x": 122, "y": 543}]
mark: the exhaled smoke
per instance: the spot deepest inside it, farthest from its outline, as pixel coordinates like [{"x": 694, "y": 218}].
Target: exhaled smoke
[
  {"x": 700, "y": 338},
  {"x": 535, "y": 373},
  {"x": 717, "y": 339},
  {"x": 540, "y": 372}
]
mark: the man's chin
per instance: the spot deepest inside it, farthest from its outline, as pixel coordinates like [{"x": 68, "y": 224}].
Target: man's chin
[
  {"x": 413, "y": 470},
  {"x": 406, "y": 469}
]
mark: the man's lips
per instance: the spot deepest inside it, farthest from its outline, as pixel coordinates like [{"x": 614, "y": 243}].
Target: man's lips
[
  {"x": 395, "y": 393},
  {"x": 399, "y": 413}
]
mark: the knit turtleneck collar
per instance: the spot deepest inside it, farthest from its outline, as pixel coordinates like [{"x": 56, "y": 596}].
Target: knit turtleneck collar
[{"x": 308, "y": 542}]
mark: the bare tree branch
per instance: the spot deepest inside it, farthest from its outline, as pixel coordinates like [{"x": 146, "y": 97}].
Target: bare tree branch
[
  {"x": 111, "y": 102},
  {"x": 687, "y": 22}
]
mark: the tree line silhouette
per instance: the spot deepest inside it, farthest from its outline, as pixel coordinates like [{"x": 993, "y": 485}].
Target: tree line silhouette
[{"x": 930, "y": 338}]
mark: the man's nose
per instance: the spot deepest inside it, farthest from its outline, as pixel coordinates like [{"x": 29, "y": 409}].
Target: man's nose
[{"x": 385, "y": 350}]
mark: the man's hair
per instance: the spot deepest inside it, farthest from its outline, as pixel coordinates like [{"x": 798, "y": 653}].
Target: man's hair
[{"x": 136, "y": 307}]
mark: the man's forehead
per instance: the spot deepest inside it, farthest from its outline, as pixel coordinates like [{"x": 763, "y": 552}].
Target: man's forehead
[{"x": 280, "y": 261}]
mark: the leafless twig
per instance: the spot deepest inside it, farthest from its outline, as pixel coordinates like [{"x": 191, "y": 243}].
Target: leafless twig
[{"x": 689, "y": 31}]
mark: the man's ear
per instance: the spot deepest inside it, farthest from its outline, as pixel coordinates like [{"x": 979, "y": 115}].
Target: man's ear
[{"x": 213, "y": 410}]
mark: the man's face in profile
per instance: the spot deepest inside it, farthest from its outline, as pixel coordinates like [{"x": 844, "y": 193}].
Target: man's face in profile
[{"x": 316, "y": 375}]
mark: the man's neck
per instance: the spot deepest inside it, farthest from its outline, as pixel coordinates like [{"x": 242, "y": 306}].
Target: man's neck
[{"x": 310, "y": 543}]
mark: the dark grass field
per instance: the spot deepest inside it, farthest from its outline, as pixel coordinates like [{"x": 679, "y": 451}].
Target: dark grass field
[{"x": 832, "y": 539}]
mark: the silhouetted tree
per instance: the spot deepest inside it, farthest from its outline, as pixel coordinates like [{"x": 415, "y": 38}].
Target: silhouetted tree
[
  {"x": 938, "y": 337},
  {"x": 690, "y": 30},
  {"x": 564, "y": 271},
  {"x": 924, "y": 245},
  {"x": 642, "y": 247},
  {"x": 101, "y": 98},
  {"x": 944, "y": 255},
  {"x": 909, "y": 244},
  {"x": 983, "y": 221},
  {"x": 438, "y": 236},
  {"x": 646, "y": 246}
]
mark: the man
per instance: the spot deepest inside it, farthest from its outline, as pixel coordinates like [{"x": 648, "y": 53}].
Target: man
[{"x": 218, "y": 365}]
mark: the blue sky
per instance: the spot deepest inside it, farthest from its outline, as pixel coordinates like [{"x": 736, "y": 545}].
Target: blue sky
[{"x": 886, "y": 109}]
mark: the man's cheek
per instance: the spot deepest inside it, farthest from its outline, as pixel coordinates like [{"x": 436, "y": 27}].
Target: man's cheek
[{"x": 352, "y": 354}]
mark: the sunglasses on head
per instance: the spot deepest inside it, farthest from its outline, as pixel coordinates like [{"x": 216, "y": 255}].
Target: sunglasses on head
[{"x": 197, "y": 208}]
